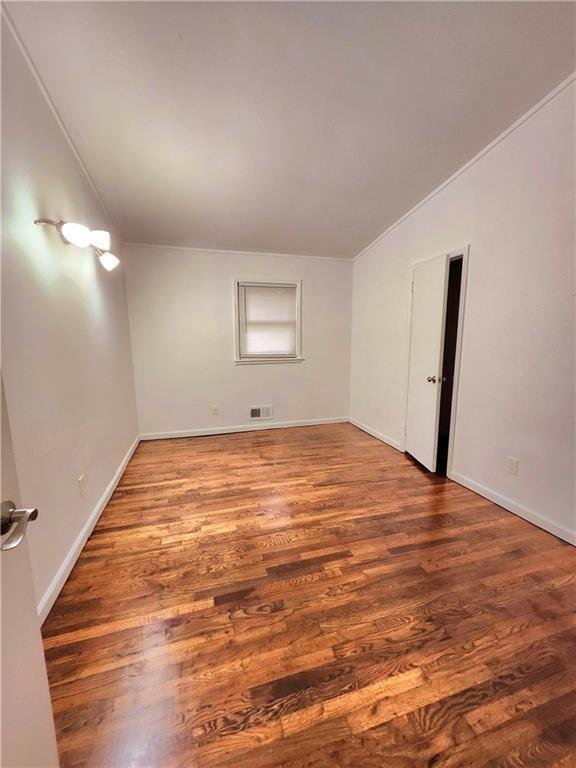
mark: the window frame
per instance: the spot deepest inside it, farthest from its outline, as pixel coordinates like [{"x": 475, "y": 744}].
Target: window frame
[{"x": 268, "y": 359}]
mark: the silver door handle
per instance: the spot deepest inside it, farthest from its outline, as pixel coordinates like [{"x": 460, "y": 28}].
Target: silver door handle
[
  {"x": 17, "y": 520},
  {"x": 431, "y": 379}
]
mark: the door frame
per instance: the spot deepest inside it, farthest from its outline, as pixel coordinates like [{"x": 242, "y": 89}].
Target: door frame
[{"x": 464, "y": 253}]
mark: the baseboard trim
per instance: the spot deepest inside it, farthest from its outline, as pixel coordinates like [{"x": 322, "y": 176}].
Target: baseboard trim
[
  {"x": 49, "y": 597},
  {"x": 378, "y": 435},
  {"x": 240, "y": 428},
  {"x": 518, "y": 509},
  {"x": 59, "y": 579},
  {"x": 47, "y": 600}
]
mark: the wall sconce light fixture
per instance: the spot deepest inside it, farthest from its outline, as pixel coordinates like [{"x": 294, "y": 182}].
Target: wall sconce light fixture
[
  {"x": 100, "y": 239},
  {"x": 82, "y": 237},
  {"x": 108, "y": 260}
]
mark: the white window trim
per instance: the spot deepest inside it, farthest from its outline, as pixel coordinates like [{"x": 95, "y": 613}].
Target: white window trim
[{"x": 268, "y": 284}]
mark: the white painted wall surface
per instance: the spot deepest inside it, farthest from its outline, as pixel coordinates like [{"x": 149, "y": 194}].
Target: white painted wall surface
[
  {"x": 515, "y": 206},
  {"x": 181, "y": 320},
  {"x": 65, "y": 341}
]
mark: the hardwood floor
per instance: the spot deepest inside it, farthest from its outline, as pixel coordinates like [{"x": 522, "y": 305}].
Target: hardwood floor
[{"x": 311, "y": 598}]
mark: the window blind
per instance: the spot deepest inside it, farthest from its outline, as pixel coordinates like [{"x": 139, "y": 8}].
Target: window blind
[{"x": 267, "y": 320}]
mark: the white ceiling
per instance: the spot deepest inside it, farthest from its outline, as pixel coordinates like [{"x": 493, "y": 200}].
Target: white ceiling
[{"x": 288, "y": 127}]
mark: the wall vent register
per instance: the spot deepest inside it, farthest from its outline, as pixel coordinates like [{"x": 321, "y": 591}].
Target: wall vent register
[{"x": 261, "y": 412}]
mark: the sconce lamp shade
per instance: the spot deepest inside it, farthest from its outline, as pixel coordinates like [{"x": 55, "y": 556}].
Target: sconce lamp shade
[
  {"x": 100, "y": 239},
  {"x": 82, "y": 237},
  {"x": 108, "y": 260},
  {"x": 75, "y": 234}
]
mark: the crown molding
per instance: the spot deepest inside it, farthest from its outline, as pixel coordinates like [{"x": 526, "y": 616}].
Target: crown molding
[
  {"x": 232, "y": 252},
  {"x": 493, "y": 144},
  {"x": 222, "y": 252},
  {"x": 6, "y": 18}
]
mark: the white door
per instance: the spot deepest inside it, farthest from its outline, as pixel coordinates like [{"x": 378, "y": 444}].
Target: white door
[
  {"x": 28, "y": 737},
  {"x": 430, "y": 279}
]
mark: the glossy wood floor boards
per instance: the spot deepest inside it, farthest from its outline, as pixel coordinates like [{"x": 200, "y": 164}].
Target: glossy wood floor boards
[{"x": 311, "y": 598}]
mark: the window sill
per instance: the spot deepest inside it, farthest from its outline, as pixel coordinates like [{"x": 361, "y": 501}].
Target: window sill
[{"x": 270, "y": 361}]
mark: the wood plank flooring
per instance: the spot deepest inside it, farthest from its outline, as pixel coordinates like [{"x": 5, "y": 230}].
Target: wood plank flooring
[{"x": 311, "y": 598}]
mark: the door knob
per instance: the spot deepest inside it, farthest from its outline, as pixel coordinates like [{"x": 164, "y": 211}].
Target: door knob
[
  {"x": 431, "y": 379},
  {"x": 16, "y": 519}
]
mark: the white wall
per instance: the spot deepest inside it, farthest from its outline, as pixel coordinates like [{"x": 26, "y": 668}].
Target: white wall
[
  {"x": 181, "y": 320},
  {"x": 65, "y": 342},
  {"x": 67, "y": 358},
  {"x": 515, "y": 207}
]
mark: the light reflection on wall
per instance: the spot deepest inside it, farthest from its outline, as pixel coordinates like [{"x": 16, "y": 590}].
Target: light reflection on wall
[
  {"x": 66, "y": 359},
  {"x": 60, "y": 268}
]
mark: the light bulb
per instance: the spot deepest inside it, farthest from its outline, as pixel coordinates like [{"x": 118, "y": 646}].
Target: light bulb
[
  {"x": 75, "y": 234},
  {"x": 100, "y": 239},
  {"x": 108, "y": 260}
]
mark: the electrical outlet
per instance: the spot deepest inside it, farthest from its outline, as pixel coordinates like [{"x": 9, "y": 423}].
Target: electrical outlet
[
  {"x": 512, "y": 466},
  {"x": 215, "y": 410},
  {"x": 82, "y": 485}
]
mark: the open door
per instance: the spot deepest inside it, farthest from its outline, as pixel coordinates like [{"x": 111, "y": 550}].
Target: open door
[
  {"x": 28, "y": 738},
  {"x": 426, "y": 347}
]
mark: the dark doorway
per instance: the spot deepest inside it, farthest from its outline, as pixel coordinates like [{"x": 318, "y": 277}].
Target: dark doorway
[{"x": 449, "y": 361}]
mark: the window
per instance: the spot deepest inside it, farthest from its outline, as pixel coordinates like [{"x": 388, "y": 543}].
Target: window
[{"x": 267, "y": 322}]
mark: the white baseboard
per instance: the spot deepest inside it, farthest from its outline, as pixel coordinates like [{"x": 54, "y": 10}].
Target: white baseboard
[
  {"x": 47, "y": 600},
  {"x": 518, "y": 509},
  {"x": 379, "y": 435},
  {"x": 59, "y": 579},
  {"x": 240, "y": 428}
]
